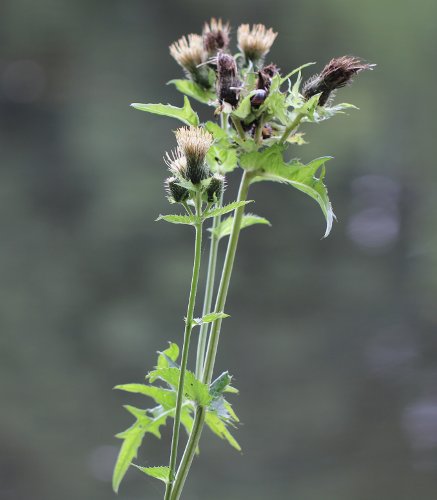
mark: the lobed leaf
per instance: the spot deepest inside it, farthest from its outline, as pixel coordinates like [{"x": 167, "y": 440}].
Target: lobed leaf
[
  {"x": 226, "y": 209},
  {"x": 168, "y": 357},
  {"x": 219, "y": 427},
  {"x": 160, "y": 395},
  {"x": 186, "y": 114},
  {"x": 190, "y": 220}
]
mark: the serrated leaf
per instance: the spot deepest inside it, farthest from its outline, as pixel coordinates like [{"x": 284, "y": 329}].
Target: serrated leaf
[
  {"x": 194, "y": 90},
  {"x": 162, "y": 473},
  {"x": 222, "y": 158},
  {"x": 186, "y": 114},
  {"x": 190, "y": 220},
  {"x": 225, "y": 226},
  {"x": 226, "y": 209},
  {"x": 217, "y": 132},
  {"x": 218, "y": 386},
  {"x": 209, "y": 318},
  {"x": 168, "y": 357},
  {"x": 162, "y": 396},
  {"x": 271, "y": 166},
  {"x": 218, "y": 427},
  {"x": 194, "y": 389}
]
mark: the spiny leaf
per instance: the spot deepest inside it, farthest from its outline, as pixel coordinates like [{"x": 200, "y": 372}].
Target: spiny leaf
[
  {"x": 218, "y": 427},
  {"x": 225, "y": 226},
  {"x": 192, "y": 89},
  {"x": 270, "y": 165},
  {"x": 226, "y": 208},
  {"x": 168, "y": 357},
  {"x": 180, "y": 219},
  {"x": 219, "y": 384},
  {"x": 162, "y": 473},
  {"x": 222, "y": 157},
  {"x": 209, "y": 318},
  {"x": 186, "y": 114},
  {"x": 194, "y": 389},
  {"x": 162, "y": 396}
]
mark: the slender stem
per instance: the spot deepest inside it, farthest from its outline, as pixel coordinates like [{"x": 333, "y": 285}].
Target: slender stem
[
  {"x": 209, "y": 291},
  {"x": 258, "y": 130},
  {"x": 185, "y": 349},
  {"x": 214, "y": 338},
  {"x": 291, "y": 128},
  {"x": 238, "y": 127}
]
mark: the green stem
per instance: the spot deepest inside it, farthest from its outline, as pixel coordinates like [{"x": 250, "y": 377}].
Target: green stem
[
  {"x": 214, "y": 338},
  {"x": 258, "y": 130},
  {"x": 185, "y": 349},
  {"x": 238, "y": 127},
  {"x": 209, "y": 290},
  {"x": 290, "y": 128}
]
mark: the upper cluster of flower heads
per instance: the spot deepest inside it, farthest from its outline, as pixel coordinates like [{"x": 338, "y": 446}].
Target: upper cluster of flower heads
[{"x": 207, "y": 61}]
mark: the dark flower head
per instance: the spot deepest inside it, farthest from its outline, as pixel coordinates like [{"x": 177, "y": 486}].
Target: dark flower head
[
  {"x": 216, "y": 36},
  {"x": 215, "y": 188},
  {"x": 228, "y": 82},
  {"x": 175, "y": 191},
  {"x": 336, "y": 74},
  {"x": 194, "y": 142},
  {"x": 265, "y": 76}
]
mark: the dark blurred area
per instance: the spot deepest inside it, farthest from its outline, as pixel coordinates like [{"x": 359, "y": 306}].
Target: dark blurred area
[{"x": 332, "y": 342}]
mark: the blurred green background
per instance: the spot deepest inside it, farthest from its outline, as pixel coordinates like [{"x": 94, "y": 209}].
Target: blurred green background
[{"x": 332, "y": 342}]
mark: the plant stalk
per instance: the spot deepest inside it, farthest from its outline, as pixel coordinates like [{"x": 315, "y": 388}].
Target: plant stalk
[
  {"x": 293, "y": 125},
  {"x": 213, "y": 339},
  {"x": 185, "y": 350}
]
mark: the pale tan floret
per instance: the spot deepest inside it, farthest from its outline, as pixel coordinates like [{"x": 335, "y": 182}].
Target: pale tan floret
[
  {"x": 255, "y": 42},
  {"x": 216, "y": 25},
  {"x": 194, "y": 142},
  {"x": 176, "y": 163},
  {"x": 188, "y": 52}
]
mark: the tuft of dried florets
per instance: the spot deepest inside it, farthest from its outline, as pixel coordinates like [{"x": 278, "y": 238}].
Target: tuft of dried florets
[
  {"x": 194, "y": 142},
  {"x": 176, "y": 193},
  {"x": 216, "y": 36},
  {"x": 215, "y": 188},
  {"x": 336, "y": 74},
  {"x": 176, "y": 163},
  {"x": 265, "y": 76},
  {"x": 255, "y": 42},
  {"x": 228, "y": 83},
  {"x": 189, "y": 53}
]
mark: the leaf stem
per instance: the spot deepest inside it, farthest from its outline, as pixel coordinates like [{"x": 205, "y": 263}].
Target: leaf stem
[
  {"x": 185, "y": 349},
  {"x": 238, "y": 127},
  {"x": 214, "y": 337},
  {"x": 293, "y": 125}
]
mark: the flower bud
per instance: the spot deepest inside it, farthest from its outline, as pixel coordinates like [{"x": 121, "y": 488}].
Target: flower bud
[
  {"x": 255, "y": 42},
  {"x": 194, "y": 142},
  {"x": 216, "y": 36},
  {"x": 215, "y": 188},
  {"x": 265, "y": 76},
  {"x": 175, "y": 191},
  {"x": 258, "y": 98},
  {"x": 176, "y": 163},
  {"x": 336, "y": 74},
  {"x": 228, "y": 82}
]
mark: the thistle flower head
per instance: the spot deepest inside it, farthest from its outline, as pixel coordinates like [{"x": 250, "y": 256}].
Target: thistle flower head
[
  {"x": 255, "y": 42},
  {"x": 215, "y": 188},
  {"x": 336, "y": 74},
  {"x": 194, "y": 142},
  {"x": 216, "y": 36},
  {"x": 228, "y": 82},
  {"x": 176, "y": 193},
  {"x": 188, "y": 52},
  {"x": 265, "y": 76},
  {"x": 176, "y": 163}
]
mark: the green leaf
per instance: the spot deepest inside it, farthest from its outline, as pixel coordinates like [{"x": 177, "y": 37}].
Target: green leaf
[
  {"x": 162, "y": 473},
  {"x": 194, "y": 389},
  {"x": 296, "y": 70},
  {"x": 244, "y": 109},
  {"x": 225, "y": 226},
  {"x": 209, "y": 318},
  {"x": 218, "y": 427},
  {"x": 168, "y": 357},
  {"x": 194, "y": 90},
  {"x": 271, "y": 166},
  {"x": 162, "y": 396},
  {"x": 191, "y": 220},
  {"x": 222, "y": 158},
  {"x": 217, "y": 132},
  {"x": 218, "y": 386},
  {"x": 186, "y": 114},
  {"x": 226, "y": 209}
]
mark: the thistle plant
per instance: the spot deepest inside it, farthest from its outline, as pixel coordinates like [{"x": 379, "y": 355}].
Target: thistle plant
[{"x": 256, "y": 115}]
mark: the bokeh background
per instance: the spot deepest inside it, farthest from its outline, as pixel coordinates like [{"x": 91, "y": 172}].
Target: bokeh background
[{"x": 332, "y": 342}]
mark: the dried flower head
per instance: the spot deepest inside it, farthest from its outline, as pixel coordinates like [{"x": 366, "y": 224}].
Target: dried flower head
[
  {"x": 189, "y": 53},
  {"x": 215, "y": 188},
  {"x": 255, "y": 42},
  {"x": 176, "y": 163},
  {"x": 336, "y": 74},
  {"x": 228, "y": 83},
  {"x": 194, "y": 143},
  {"x": 216, "y": 36},
  {"x": 176, "y": 193},
  {"x": 265, "y": 76}
]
